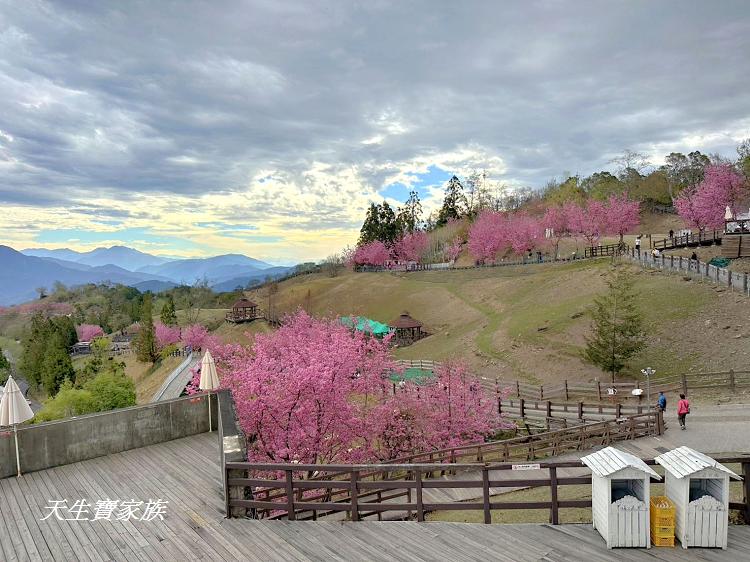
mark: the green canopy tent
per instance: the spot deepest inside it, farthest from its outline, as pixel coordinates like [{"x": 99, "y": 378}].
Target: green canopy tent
[{"x": 367, "y": 325}]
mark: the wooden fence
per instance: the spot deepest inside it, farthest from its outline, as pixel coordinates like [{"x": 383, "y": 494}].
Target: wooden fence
[
  {"x": 736, "y": 281},
  {"x": 319, "y": 486},
  {"x": 602, "y": 391},
  {"x": 369, "y": 490},
  {"x": 363, "y": 491},
  {"x": 689, "y": 240},
  {"x": 581, "y": 411}
]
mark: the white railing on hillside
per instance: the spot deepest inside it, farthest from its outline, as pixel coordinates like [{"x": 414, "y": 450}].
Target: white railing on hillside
[
  {"x": 735, "y": 280},
  {"x": 172, "y": 376}
]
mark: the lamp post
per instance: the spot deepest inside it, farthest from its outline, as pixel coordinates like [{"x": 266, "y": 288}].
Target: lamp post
[{"x": 647, "y": 372}]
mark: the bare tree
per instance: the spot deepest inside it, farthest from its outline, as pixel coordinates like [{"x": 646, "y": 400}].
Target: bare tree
[
  {"x": 196, "y": 300},
  {"x": 630, "y": 160},
  {"x": 333, "y": 265}
]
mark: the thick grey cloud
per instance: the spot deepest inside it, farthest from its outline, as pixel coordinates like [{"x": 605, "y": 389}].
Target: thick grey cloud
[{"x": 192, "y": 97}]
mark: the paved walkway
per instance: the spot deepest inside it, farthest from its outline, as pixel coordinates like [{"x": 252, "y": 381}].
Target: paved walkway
[
  {"x": 186, "y": 473},
  {"x": 177, "y": 380}
]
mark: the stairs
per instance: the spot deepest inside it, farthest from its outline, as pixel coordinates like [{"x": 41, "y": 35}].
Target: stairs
[{"x": 736, "y": 246}]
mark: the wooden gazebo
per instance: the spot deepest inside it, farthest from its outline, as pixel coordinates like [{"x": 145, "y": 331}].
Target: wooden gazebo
[
  {"x": 408, "y": 330},
  {"x": 243, "y": 310}
]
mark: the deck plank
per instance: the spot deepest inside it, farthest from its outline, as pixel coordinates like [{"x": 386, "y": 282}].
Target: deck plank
[{"x": 186, "y": 473}]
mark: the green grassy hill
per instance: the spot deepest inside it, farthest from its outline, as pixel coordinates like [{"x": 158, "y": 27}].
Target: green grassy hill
[{"x": 530, "y": 322}]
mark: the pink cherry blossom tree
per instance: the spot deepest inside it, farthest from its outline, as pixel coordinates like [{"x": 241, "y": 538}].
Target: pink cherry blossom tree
[
  {"x": 704, "y": 205},
  {"x": 488, "y": 236},
  {"x": 373, "y": 253},
  {"x": 315, "y": 392},
  {"x": 166, "y": 335},
  {"x": 89, "y": 332},
  {"x": 557, "y": 220},
  {"x": 588, "y": 221},
  {"x": 197, "y": 337},
  {"x": 411, "y": 247},
  {"x": 453, "y": 250},
  {"x": 621, "y": 215},
  {"x": 525, "y": 233}
]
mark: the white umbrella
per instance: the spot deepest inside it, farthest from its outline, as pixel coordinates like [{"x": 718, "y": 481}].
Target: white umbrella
[
  {"x": 728, "y": 214},
  {"x": 13, "y": 410},
  {"x": 209, "y": 380}
]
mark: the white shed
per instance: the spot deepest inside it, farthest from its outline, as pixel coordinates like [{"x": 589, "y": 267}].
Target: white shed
[
  {"x": 699, "y": 488},
  {"x": 620, "y": 495}
]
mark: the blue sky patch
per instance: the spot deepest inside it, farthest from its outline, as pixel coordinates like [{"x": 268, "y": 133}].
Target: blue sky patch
[{"x": 434, "y": 176}]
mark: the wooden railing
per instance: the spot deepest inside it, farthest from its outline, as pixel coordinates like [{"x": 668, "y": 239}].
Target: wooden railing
[
  {"x": 405, "y": 490},
  {"x": 269, "y": 494},
  {"x": 604, "y": 250},
  {"x": 548, "y": 410},
  {"x": 700, "y": 238},
  {"x": 602, "y": 391}
]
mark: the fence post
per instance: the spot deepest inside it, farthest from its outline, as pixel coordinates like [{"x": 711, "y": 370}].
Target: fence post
[
  {"x": 420, "y": 506},
  {"x": 659, "y": 421},
  {"x": 554, "y": 510},
  {"x": 580, "y": 410},
  {"x": 518, "y": 389},
  {"x": 354, "y": 494},
  {"x": 566, "y": 390},
  {"x": 731, "y": 379},
  {"x": 680, "y": 263},
  {"x": 549, "y": 408},
  {"x": 486, "y": 494},
  {"x": 289, "y": 497},
  {"x": 746, "y": 483},
  {"x": 541, "y": 392},
  {"x": 521, "y": 409},
  {"x": 599, "y": 390},
  {"x": 618, "y": 410},
  {"x": 683, "y": 382},
  {"x": 671, "y": 262}
]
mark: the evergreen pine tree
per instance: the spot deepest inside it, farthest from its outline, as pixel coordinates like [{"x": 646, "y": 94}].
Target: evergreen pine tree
[
  {"x": 618, "y": 331},
  {"x": 57, "y": 366},
  {"x": 146, "y": 341},
  {"x": 4, "y": 367},
  {"x": 34, "y": 349},
  {"x": 168, "y": 313},
  {"x": 454, "y": 204}
]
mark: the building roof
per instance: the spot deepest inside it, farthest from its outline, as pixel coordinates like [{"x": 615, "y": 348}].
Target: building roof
[
  {"x": 405, "y": 321},
  {"x": 610, "y": 460},
  {"x": 684, "y": 461},
  {"x": 244, "y": 303}
]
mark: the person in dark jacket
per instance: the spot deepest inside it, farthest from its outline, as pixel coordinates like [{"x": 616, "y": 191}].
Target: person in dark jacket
[{"x": 662, "y": 402}]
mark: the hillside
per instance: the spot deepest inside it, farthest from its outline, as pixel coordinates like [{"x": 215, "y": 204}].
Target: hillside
[{"x": 530, "y": 322}]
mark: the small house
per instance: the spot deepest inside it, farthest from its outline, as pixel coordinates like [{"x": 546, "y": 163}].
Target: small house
[
  {"x": 243, "y": 310},
  {"x": 620, "y": 496},
  {"x": 408, "y": 330},
  {"x": 699, "y": 487}
]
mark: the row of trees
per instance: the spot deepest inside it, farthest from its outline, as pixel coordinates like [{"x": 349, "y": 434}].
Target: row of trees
[
  {"x": 316, "y": 392},
  {"x": 494, "y": 233}
]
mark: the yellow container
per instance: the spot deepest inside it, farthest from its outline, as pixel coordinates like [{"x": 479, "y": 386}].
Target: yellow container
[
  {"x": 662, "y": 512},
  {"x": 662, "y": 541},
  {"x": 662, "y": 531}
]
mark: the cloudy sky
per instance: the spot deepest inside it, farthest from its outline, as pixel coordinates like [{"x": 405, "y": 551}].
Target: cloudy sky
[{"x": 266, "y": 127}]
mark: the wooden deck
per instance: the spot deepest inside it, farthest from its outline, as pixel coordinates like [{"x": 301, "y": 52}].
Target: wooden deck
[{"x": 185, "y": 472}]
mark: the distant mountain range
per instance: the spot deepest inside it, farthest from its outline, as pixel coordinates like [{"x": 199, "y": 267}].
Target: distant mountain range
[{"x": 22, "y": 272}]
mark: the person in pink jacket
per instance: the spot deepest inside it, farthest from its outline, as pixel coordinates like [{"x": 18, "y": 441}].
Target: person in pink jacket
[{"x": 683, "y": 409}]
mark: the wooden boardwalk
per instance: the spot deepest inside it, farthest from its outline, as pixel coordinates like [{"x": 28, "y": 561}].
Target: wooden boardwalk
[{"x": 186, "y": 473}]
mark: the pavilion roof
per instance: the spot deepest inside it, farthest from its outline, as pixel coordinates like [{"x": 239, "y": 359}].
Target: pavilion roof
[
  {"x": 405, "y": 321},
  {"x": 244, "y": 303}
]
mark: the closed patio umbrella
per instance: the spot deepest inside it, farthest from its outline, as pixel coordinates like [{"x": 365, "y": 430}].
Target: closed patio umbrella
[
  {"x": 209, "y": 380},
  {"x": 14, "y": 410},
  {"x": 728, "y": 214}
]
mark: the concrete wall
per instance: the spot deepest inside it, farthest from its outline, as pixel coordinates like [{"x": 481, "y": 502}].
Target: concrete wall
[{"x": 75, "y": 439}]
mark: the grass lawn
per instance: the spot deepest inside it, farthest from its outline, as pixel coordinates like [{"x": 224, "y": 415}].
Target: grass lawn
[{"x": 530, "y": 323}]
